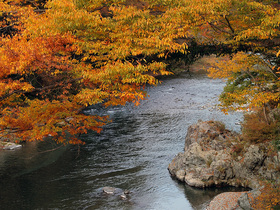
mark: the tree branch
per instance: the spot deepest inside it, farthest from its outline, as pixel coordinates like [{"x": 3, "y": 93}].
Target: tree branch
[
  {"x": 219, "y": 29},
  {"x": 229, "y": 25},
  {"x": 269, "y": 68},
  {"x": 39, "y": 89}
]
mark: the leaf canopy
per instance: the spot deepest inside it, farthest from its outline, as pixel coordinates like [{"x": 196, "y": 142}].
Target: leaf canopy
[{"x": 59, "y": 56}]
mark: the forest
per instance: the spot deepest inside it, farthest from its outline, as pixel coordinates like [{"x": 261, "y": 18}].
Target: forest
[{"x": 57, "y": 57}]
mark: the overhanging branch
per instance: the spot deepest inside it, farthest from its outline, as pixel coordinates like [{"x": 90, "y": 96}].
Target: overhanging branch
[{"x": 40, "y": 89}]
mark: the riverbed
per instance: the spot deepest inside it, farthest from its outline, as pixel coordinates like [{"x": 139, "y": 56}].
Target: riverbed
[{"x": 132, "y": 152}]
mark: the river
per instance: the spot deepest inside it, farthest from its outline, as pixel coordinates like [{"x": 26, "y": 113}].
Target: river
[{"x": 132, "y": 153}]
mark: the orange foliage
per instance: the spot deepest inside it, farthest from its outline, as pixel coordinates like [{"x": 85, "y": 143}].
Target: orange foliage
[
  {"x": 59, "y": 56},
  {"x": 252, "y": 82},
  {"x": 269, "y": 198}
]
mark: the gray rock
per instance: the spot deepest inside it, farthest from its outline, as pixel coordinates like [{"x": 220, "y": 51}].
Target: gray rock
[
  {"x": 116, "y": 192},
  {"x": 126, "y": 192},
  {"x": 109, "y": 190},
  {"x": 244, "y": 202},
  {"x": 180, "y": 174},
  {"x": 176, "y": 164},
  {"x": 254, "y": 157},
  {"x": 207, "y": 159},
  {"x": 123, "y": 196}
]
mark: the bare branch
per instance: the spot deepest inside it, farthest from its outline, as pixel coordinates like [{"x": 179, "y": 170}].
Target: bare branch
[
  {"x": 269, "y": 68},
  {"x": 219, "y": 29},
  {"x": 229, "y": 25}
]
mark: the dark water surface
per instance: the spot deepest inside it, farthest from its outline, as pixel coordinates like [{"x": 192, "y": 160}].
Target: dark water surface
[{"x": 132, "y": 152}]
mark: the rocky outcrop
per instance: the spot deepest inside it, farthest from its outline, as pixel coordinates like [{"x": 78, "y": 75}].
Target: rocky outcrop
[{"x": 211, "y": 158}]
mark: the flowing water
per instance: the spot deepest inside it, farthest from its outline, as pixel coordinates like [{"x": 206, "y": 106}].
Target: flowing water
[{"x": 132, "y": 153}]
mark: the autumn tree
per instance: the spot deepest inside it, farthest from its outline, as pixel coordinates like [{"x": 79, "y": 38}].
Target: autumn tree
[
  {"x": 252, "y": 73},
  {"x": 74, "y": 54},
  {"x": 59, "y": 56}
]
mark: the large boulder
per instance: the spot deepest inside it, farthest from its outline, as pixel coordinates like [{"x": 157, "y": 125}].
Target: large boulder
[{"x": 208, "y": 159}]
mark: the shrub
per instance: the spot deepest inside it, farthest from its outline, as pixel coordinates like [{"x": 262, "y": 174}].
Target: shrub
[
  {"x": 237, "y": 149},
  {"x": 276, "y": 144},
  {"x": 269, "y": 197},
  {"x": 258, "y": 128}
]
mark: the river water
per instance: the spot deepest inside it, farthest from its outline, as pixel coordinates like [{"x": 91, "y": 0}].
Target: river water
[{"x": 132, "y": 153}]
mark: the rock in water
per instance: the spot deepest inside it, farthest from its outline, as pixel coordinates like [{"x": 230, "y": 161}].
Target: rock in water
[
  {"x": 208, "y": 159},
  {"x": 109, "y": 190},
  {"x": 123, "y": 196},
  {"x": 117, "y": 192},
  {"x": 126, "y": 192},
  {"x": 11, "y": 146}
]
